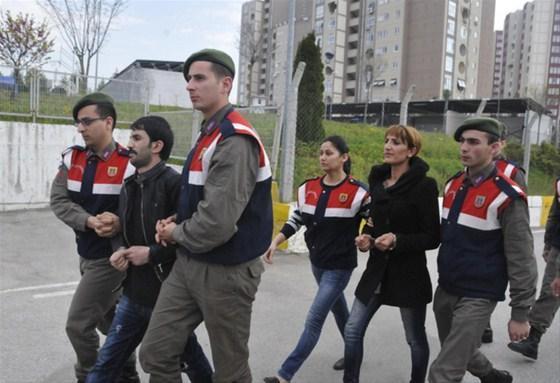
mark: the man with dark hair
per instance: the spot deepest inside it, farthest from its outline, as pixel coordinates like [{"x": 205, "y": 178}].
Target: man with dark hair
[
  {"x": 486, "y": 242},
  {"x": 84, "y": 196},
  {"x": 222, "y": 227},
  {"x": 543, "y": 311},
  {"x": 147, "y": 196}
]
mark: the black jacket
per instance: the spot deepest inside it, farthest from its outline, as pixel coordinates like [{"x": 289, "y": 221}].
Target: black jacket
[
  {"x": 409, "y": 209},
  {"x": 145, "y": 198}
]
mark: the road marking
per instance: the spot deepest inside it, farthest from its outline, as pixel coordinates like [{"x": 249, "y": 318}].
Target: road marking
[
  {"x": 55, "y": 294},
  {"x": 39, "y": 287}
]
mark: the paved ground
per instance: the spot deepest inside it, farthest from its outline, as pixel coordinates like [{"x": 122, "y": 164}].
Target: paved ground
[{"x": 39, "y": 269}]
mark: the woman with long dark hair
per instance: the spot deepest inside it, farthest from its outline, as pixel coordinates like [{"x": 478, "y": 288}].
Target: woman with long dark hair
[
  {"x": 403, "y": 224},
  {"x": 331, "y": 207}
]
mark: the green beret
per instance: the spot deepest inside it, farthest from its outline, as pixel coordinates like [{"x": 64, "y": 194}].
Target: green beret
[
  {"x": 213, "y": 55},
  {"x": 484, "y": 124},
  {"x": 92, "y": 99}
]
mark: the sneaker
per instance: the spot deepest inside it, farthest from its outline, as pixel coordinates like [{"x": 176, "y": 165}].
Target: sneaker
[
  {"x": 497, "y": 376},
  {"x": 339, "y": 365}
]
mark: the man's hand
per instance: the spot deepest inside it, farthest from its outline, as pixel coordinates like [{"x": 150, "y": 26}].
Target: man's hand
[
  {"x": 164, "y": 231},
  {"x": 555, "y": 286},
  {"x": 118, "y": 259},
  {"x": 546, "y": 252},
  {"x": 137, "y": 255},
  {"x": 267, "y": 257},
  {"x": 518, "y": 330},
  {"x": 363, "y": 242},
  {"x": 108, "y": 225}
]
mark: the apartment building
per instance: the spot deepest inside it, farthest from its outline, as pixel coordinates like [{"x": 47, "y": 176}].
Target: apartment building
[
  {"x": 553, "y": 75},
  {"x": 527, "y": 51},
  {"x": 498, "y": 58},
  {"x": 374, "y": 50}
]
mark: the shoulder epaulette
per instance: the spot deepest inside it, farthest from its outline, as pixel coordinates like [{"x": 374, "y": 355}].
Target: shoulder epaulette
[
  {"x": 74, "y": 147},
  {"x": 122, "y": 151},
  {"x": 456, "y": 175},
  {"x": 507, "y": 185},
  {"x": 310, "y": 179},
  {"x": 354, "y": 181}
]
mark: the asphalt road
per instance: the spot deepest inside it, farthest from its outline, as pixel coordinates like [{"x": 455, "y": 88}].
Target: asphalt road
[{"x": 39, "y": 271}]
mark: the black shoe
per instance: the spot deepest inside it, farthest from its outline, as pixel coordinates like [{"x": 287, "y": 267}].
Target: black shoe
[
  {"x": 497, "y": 376},
  {"x": 271, "y": 379},
  {"x": 528, "y": 347},
  {"x": 487, "y": 335},
  {"x": 339, "y": 365}
]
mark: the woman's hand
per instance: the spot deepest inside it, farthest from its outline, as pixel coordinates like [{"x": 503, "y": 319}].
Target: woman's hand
[
  {"x": 269, "y": 254},
  {"x": 363, "y": 242},
  {"x": 386, "y": 242}
]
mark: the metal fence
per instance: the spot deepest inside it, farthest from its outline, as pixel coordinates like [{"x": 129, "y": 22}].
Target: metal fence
[{"x": 43, "y": 94}]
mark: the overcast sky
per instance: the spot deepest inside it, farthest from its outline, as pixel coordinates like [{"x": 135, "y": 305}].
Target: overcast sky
[{"x": 172, "y": 29}]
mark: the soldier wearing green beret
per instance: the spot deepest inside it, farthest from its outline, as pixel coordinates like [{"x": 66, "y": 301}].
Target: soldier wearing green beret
[
  {"x": 222, "y": 227},
  {"x": 84, "y": 196},
  {"x": 486, "y": 244}
]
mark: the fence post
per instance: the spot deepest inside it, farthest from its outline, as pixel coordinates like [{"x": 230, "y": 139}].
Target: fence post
[
  {"x": 289, "y": 144},
  {"x": 276, "y": 141},
  {"x": 404, "y": 105}
]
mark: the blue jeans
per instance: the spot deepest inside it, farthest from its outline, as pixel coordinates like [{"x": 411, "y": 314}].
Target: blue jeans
[
  {"x": 413, "y": 321},
  {"x": 126, "y": 332},
  {"x": 330, "y": 297}
]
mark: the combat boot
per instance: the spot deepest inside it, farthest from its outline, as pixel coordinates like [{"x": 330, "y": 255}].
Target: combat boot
[
  {"x": 497, "y": 376},
  {"x": 528, "y": 347}
]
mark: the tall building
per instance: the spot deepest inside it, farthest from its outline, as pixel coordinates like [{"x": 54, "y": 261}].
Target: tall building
[
  {"x": 498, "y": 58},
  {"x": 553, "y": 75},
  {"x": 374, "y": 50},
  {"x": 262, "y": 50},
  {"x": 527, "y": 48}
]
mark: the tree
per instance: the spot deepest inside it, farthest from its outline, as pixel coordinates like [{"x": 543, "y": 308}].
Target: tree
[
  {"x": 23, "y": 42},
  {"x": 250, "y": 44},
  {"x": 310, "y": 94},
  {"x": 84, "y": 25}
]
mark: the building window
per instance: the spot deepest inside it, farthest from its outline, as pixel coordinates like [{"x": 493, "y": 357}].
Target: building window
[
  {"x": 395, "y": 64},
  {"x": 379, "y": 83},
  {"x": 452, "y": 9},
  {"x": 449, "y": 64},
  {"x": 451, "y": 27},
  {"x": 393, "y": 82},
  {"x": 461, "y": 84},
  {"x": 396, "y": 48},
  {"x": 447, "y": 82},
  {"x": 450, "y": 45}
]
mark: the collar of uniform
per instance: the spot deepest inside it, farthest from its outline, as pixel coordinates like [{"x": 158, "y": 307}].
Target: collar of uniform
[
  {"x": 477, "y": 178},
  {"x": 103, "y": 154},
  {"x": 212, "y": 123}
]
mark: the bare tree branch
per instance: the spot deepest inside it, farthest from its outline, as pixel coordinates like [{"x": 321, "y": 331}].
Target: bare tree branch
[{"x": 84, "y": 25}]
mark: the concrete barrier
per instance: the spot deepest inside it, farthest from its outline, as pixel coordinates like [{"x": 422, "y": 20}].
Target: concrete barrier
[{"x": 29, "y": 159}]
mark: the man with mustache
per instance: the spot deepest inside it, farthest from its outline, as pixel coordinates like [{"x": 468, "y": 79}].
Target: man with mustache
[{"x": 147, "y": 196}]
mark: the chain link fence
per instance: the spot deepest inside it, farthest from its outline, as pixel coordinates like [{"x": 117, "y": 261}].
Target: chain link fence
[{"x": 50, "y": 95}]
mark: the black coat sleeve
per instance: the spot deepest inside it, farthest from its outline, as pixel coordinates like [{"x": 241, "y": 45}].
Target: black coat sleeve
[
  {"x": 427, "y": 217},
  {"x": 158, "y": 253}
]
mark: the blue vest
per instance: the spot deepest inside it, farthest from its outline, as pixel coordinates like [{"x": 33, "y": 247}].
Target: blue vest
[
  {"x": 254, "y": 228},
  {"x": 95, "y": 185},
  {"x": 471, "y": 260}
]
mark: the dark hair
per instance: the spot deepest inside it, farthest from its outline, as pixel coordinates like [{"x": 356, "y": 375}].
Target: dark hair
[
  {"x": 105, "y": 110},
  {"x": 158, "y": 129},
  {"x": 340, "y": 145},
  {"x": 221, "y": 71},
  {"x": 492, "y": 138}
]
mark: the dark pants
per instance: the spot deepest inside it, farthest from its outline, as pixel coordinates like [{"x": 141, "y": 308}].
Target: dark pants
[
  {"x": 126, "y": 332},
  {"x": 413, "y": 319}
]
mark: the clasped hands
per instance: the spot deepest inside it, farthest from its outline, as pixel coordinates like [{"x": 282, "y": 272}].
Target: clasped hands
[
  {"x": 384, "y": 242},
  {"x": 164, "y": 230},
  {"x": 105, "y": 225}
]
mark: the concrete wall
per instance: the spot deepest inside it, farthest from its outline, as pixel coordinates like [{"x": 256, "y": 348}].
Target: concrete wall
[{"x": 29, "y": 159}]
